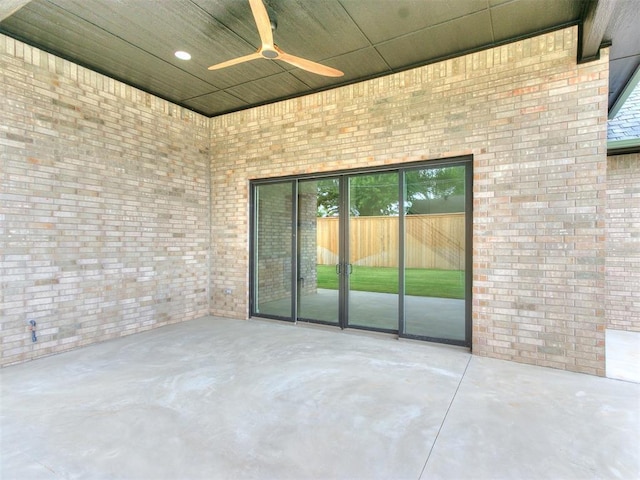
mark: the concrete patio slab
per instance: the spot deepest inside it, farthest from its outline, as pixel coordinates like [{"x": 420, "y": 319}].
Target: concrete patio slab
[{"x": 219, "y": 398}]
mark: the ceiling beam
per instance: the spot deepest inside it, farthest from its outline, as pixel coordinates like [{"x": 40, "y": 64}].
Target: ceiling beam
[{"x": 594, "y": 25}]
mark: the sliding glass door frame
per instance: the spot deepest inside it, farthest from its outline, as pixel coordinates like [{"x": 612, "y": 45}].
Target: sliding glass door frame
[
  {"x": 343, "y": 267},
  {"x": 253, "y": 251},
  {"x": 401, "y": 258},
  {"x": 343, "y": 255},
  {"x": 466, "y": 162}
]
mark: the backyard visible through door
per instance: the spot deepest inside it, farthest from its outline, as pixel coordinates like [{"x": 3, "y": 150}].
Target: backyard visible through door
[{"x": 377, "y": 250}]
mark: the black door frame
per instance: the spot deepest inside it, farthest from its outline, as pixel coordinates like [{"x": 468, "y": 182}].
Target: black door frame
[{"x": 344, "y": 175}]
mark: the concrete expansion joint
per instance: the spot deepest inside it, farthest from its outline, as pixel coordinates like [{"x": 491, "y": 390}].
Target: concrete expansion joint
[{"x": 444, "y": 418}]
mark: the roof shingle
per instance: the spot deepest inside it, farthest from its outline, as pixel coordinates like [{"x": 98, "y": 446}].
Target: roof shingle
[{"x": 626, "y": 124}]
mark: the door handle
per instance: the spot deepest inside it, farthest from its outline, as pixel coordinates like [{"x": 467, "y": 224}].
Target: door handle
[{"x": 348, "y": 268}]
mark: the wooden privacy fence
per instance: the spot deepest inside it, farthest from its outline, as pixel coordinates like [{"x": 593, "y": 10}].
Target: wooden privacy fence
[{"x": 431, "y": 241}]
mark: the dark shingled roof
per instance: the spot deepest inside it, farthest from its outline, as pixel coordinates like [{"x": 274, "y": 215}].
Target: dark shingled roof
[{"x": 626, "y": 124}]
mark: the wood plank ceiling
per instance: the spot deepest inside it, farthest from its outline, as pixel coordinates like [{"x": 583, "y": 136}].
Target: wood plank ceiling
[{"x": 134, "y": 40}]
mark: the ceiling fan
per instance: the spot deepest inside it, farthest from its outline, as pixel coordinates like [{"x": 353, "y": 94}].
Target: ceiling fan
[{"x": 271, "y": 51}]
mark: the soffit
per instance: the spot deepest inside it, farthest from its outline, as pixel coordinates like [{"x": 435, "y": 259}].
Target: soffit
[{"x": 134, "y": 40}]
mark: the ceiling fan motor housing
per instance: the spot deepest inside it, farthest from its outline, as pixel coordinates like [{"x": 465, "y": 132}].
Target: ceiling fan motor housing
[{"x": 271, "y": 54}]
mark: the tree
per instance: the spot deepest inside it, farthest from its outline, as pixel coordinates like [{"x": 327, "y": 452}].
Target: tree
[
  {"x": 377, "y": 194},
  {"x": 328, "y": 197},
  {"x": 436, "y": 183},
  {"x": 373, "y": 194}
]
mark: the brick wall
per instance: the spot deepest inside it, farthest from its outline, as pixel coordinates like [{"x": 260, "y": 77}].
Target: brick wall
[
  {"x": 308, "y": 240},
  {"x": 273, "y": 259},
  {"x": 535, "y": 123},
  {"x": 106, "y": 225},
  {"x": 623, "y": 243},
  {"x": 104, "y": 220}
]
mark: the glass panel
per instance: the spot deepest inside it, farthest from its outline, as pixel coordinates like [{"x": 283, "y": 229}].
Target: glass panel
[
  {"x": 318, "y": 251},
  {"x": 435, "y": 253},
  {"x": 373, "y": 251},
  {"x": 273, "y": 249},
  {"x": 348, "y": 266}
]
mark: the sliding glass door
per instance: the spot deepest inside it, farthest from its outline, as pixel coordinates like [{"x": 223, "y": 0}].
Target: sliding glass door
[
  {"x": 373, "y": 253},
  {"x": 435, "y": 260},
  {"x": 273, "y": 250},
  {"x": 385, "y": 250},
  {"x": 318, "y": 251}
]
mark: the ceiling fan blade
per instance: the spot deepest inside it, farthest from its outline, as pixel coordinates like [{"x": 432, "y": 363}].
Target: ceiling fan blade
[
  {"x": 263, "y": 22},
  {"x": 235, "y": 61},
  {"x": 308, "y": 65}
]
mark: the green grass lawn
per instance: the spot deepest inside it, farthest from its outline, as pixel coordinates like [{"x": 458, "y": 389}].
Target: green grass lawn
[{"x": 418, "y": 281}]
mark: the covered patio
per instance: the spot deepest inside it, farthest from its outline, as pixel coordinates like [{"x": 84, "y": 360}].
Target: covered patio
[{"x": 220, "y": 398}]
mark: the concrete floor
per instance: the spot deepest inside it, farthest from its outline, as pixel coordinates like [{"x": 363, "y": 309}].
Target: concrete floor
[
  {"x": 217, "y": 398},
  {"x": 426, "y": 316}
]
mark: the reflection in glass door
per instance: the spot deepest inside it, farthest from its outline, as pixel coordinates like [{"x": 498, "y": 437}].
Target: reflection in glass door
[{"x": 272, "y": 245}]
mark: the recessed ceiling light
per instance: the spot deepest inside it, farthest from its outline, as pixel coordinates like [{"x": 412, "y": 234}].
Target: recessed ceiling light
[{"x": 183, "y": 55}]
